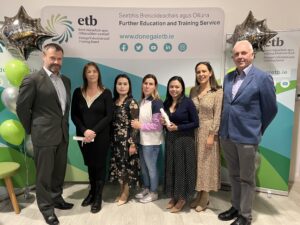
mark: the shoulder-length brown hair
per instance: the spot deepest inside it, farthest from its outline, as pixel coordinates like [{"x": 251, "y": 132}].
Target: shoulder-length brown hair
[{"x": 85, "y": 82}]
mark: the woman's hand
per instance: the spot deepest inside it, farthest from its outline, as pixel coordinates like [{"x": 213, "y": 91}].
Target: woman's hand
[
  {"x": 172, "y": 127},
  {"x": 132, "y": 149},
  {"x": 210, "y": 141},
  {"x": 162, "y": 120},
  {"x": 89, "y": 135},
  {"x": 88, "y": 140},
  {"x": 136, "y": 124}
]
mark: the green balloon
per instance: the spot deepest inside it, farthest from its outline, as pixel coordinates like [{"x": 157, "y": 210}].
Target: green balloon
[
  {"x": 15, "y": 71},
  {"x": 12, "y": 132}
]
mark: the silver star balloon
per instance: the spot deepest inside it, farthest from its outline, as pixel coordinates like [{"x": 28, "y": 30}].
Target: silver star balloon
[
  {"x": 253, "y": 30},
  {"x": 22, "y": 34}
]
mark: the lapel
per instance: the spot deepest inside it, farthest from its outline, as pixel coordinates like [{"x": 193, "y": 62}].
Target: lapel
[
  {"x": 67, "y": 86},
  {"x": 246, "y": 82},
  {"x": 230, "y": 78},
  {"x": 51, "y": 87}
]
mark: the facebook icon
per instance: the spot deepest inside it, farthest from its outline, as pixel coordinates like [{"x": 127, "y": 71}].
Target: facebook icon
[{"x": 123, "y": 47}]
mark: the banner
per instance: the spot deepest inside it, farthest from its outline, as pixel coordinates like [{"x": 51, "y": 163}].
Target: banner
[
  {"x": 135, "y": 41},
  {"x": 280, "y": 59}
]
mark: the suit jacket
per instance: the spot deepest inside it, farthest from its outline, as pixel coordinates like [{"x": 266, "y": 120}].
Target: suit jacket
[
  {"x": 39, "y": 109},
  {"x": 246, "y": 116}
]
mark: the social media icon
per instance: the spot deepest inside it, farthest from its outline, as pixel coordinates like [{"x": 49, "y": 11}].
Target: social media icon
[
  {"x": 182, "y": 47},
  {"x": 285, "y": 83},
  {"x": 153, "y": 47},
  {"x": 167, "y": 47},
  {"x": 138, "y": 47},
  {"x": 123, "y": 47}
]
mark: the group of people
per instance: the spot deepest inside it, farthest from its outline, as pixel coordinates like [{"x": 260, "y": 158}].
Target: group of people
[{"x": 192, "y": 129}]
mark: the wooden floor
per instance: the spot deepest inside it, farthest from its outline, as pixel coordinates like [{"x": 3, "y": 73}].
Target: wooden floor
[{"x": 268, "y": 210}]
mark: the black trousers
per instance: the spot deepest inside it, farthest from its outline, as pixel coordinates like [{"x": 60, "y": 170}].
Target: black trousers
[
  {"x": 50, "y": 162},
  {"x": 97, "y": 173}
]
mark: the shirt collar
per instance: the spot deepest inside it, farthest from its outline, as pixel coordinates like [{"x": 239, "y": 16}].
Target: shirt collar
[
  {"x": 246, "y": 70},
  {"x": 149, "y": 98},
  {"x": 49, "y": 73}
]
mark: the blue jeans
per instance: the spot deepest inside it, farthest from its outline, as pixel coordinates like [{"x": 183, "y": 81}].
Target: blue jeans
[{"x": 148, "y": 160}]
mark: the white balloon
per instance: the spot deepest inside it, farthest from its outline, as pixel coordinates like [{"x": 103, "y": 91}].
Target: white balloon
[{"x": 9, "y": 98}]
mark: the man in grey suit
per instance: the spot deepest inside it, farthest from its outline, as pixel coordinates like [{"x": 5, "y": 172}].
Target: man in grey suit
[
  {"x": 249, "y": 106},
  {"x": 43, "y": 108}
]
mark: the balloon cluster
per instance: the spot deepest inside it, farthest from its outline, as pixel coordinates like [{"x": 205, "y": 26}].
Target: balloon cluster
[
  {"x": 253, "y": 30},
  {"x": 12, "y": 131},
  {"x": 20, "y": 35}
]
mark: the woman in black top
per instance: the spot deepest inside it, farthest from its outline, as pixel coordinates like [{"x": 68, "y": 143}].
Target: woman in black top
[
  {"x": 91, "y": 112},
  {"x": 180, "y": 151}
]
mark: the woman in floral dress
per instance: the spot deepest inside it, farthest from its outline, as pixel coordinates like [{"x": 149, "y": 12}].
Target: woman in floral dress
[{"x": 124, "y": 165}]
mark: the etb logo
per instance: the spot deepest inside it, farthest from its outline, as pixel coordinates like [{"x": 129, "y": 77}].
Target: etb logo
[
  {"x": 88, "y": 21},
  {"x": 275, "y": 42}
]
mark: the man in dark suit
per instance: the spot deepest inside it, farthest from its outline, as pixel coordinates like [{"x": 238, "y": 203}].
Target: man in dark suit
[
  {"x": 43, "y": 108},
  {"x": 249, "y": 107}
]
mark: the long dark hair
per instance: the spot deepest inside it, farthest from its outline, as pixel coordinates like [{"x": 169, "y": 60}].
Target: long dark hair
[
  {"x": 169, "y": 100},
  {"x": 212, "y": 79},
  {"x": 85, "y": 82},
  {"x": 116, "y": 94},
  {"x": 155, "y": 95}
]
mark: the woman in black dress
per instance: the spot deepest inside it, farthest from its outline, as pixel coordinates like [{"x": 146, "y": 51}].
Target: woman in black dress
[
  {"x": 124, "y": 165},
  {"x": 91, "y": 112}
]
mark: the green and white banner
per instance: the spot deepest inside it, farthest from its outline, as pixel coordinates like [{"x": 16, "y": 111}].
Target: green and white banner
[{"x": 135, "y": 41}]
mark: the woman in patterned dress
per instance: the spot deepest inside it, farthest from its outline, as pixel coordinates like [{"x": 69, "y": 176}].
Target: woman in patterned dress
[
  {"x": 180, "y": 151},
  {"x": 124, "y": 165},
  {"x": 207, "y": 96}
]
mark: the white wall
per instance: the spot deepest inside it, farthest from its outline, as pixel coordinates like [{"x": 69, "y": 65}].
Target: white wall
[{"x": 280, "y": 15}]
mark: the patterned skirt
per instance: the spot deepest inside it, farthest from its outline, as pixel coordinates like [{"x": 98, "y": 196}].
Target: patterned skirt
[
  {"x": 180, "y": 164},
  {"x": 124, "y": 168}
]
